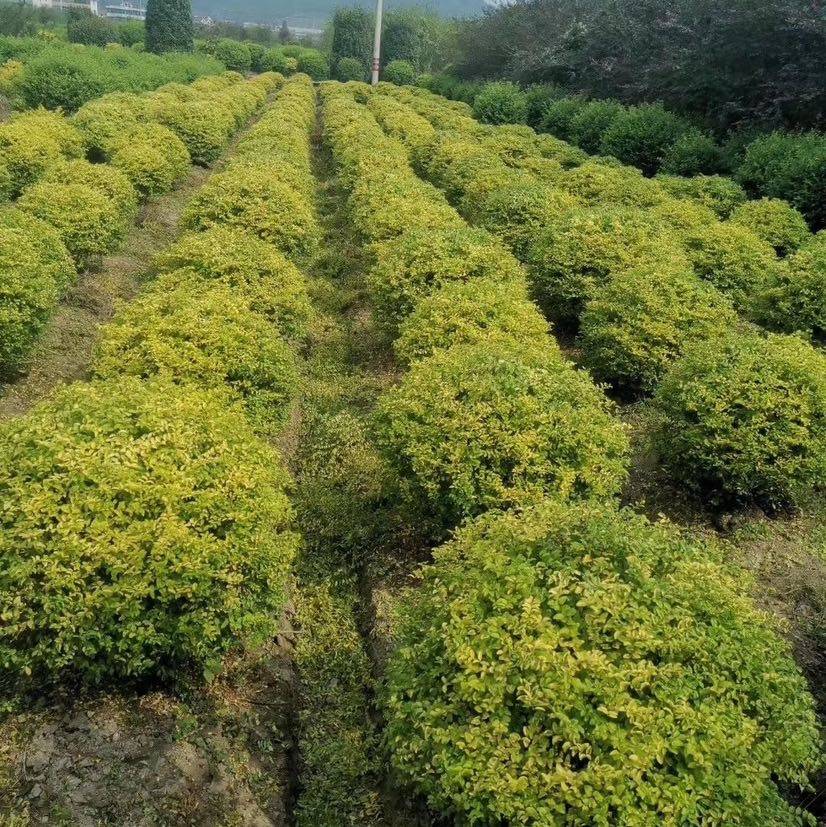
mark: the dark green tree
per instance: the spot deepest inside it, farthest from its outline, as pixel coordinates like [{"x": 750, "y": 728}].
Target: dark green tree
[
  {"x": 352, "y": 35},
  {"x": 169, "y": 26},
  {"x": 89, "y": 29},
  {"x": 284, "y": 33}
]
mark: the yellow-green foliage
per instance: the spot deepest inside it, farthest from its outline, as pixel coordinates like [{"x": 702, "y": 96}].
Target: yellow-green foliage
[
  {"x": 418, "y": 262},
  {"x": 516, "y": 213},
  {"x": 144, "y": 529},
  {"x": 599, "y": 185},
  {"x": 104, "y": 121},
  {"x": 25, "y": 154},
  {"x": 28, "y": 294},
  {"x": 204, "y": 126},
  {"x": 744, "y": 418},
  {"x": 51, "y": 250},
  {"x": 732, "y": 258},
  {"x": 10, "y": 73},
  {"x": 467, "y": 312},
  {"x": 775, "y": 221},
  {"x": 581, "y": 250},
  {"x": 204, "y": 334},
  {"x": 794, "y": 298},
  {"x": 579, "y": 665},
  {"x": 453, "y": 163},
  {"x": 251, "y": 198},
  {"x": 108, "y": 180},
  {"x": 86, "y": 219},
  {"x": 713, "y": 191},
  {"x": 43, "y": 123},
  {"x": 643, "y": 319},
  {"x": 153, "y": 158},
  {"x": 682, "y": 215},
  {"x": 485, "y": 425},
  {"x": 244, "y": 263}
]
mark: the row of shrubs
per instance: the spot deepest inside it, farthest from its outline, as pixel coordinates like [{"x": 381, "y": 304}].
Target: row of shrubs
[
  {"x": 648, "y": 279},
  {"x": 536, "y": 676},
  {"x": 71, "y": 211},
  {"x": 253, "y": 57},
  {"x": 149, "y": 527},
  {"x": 54, "y": 74},
  {"x": 786, "y": 165}
]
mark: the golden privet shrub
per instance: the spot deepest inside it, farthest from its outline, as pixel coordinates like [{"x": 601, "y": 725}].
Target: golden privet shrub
[
  {"x": 469, "y": 311},
  {"x": 153, "y": 157},
  {"x": 102, "y": 177},
  {"x": 206, "y": 335},
  {"x": 576, "y": 664},
  {"x": 775, "y": 221},
  {"x": 243, "y": 262},
  {"x": 205, "y": 127},
  {"x": 744, "y": 419},
  {"x": 421, "y": 260},
  {"x": 254, "y": 200},
  {"x": 143, "y": 529},
  {"x": 643, "y": 319},
  {"x": 484, "y": 425},
  {"x": 718, "y": 193},
  {"x": 88, "y": 222}
]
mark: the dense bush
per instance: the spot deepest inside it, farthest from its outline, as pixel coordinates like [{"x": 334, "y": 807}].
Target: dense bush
[
  {"x": 106, "y": 179},
  {"x": 774, "y": 221},
  {"x": 794, "y": 298},
  {"x": 791, "y": 167},
  {"x": 422, "y": 260},
  {"x": 90, "y": 29},
  {"x": 233, "y": 54},
  {"x": 537, "y": 97},
  {"x": 642, "y": 136},
  {"x": 313, "y": 63},
  {"x": 350, "y": 68},
  {"x": 204, "y": 334},
  {"x": 600, "y": 185},
  {"x": 693, "y": 153},
  {"x": 204, "y": 126},
  {"x": 104, "y": 121},
  {"x": 465, "y": 312},
  {"x": 169, "y": 26},
  {"x": 153, "y": 157},
  {"x": 151, "y": 532},
  {"x": 484, "y": 425},
  {"x": 499, "y": 103},
  {"x": 558, "y": 117},
  {"x": 643, "y": 319},
  {"x": 589, "y": 122},
  {"x": 518, "y": 212},
  {"x": 400, "y": 72},
  {"x": 539, "y": 679},
  {"x": 581, "y": 250},
  {"x": 744, "y": 418},
  {"x": 258, "y": 202},
  {"x": 713, "y": 191},
  {"x": 732, "y": 258},
  {"x": 245, "y": 264},
  {"x": 88, "y": 222}
]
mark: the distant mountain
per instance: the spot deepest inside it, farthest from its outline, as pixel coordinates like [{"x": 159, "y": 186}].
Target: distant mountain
[{"x": 314, "y": 13}]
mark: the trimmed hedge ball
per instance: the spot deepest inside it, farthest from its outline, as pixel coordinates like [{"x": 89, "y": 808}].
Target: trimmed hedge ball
[
  {"x": 204, "y": 126},
  {"x": 105, "y": 178},
  {"x": 420, "y": 261},
  {"x": 104, "y": 121},
  {"x": 204, "y": 334},
  {"x": 253, "y": 199},
  {"x": 28, "y": 295},
  {"x": 693, "y": 153},
  {"x": 643, "y": 319},
  {"x": 51, "y": 251},
  {"x": 400, "y": 72},
  {"x": 744, "y": 419},
  {"x": 579, "y": 252},
  {"x": 26, "y": 155},
  {"x": 597, "y": 184},
  {"x": 732, "y": 258},
  {"x": 485, "y": 425},
  {"x": 589, "y": 122},
  {"x": 516, "y": 213},
  {"x": 575, "y": 664},
  {"x": 44, "y": 123},
  {"x": 350, "y": 68},
  {"x": 189, "y": 550},
  {"x": 775, "y": 221},
  {"x": 500, "y": 103},
  {"x": 272, "y": 285},
  {"x": 713, "y": 191},
  {"x": 88, "y": 222},
  {"x": 465, "y": 312},
  {"x": 558, "y": 117}
]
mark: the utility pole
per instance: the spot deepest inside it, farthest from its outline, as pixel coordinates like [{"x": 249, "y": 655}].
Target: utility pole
[{"x": 377, "y": 45}]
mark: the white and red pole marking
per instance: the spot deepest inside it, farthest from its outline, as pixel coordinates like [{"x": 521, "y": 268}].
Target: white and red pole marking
[{"x": 374, "y": 78}]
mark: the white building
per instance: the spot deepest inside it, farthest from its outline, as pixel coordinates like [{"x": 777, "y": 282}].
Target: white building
[
  {"x": 115, "y": 9},
  {"x": 65, "y": 5}
]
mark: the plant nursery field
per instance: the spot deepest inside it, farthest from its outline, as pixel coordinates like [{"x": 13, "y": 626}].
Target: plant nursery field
[{"x": 362, "y": 463}]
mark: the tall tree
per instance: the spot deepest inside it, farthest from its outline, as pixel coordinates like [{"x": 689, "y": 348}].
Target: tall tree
[
  {"x": 169, "y": 26},
  {"x": 352, "y": 34},
  {"x": 284, "y": 33}
]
